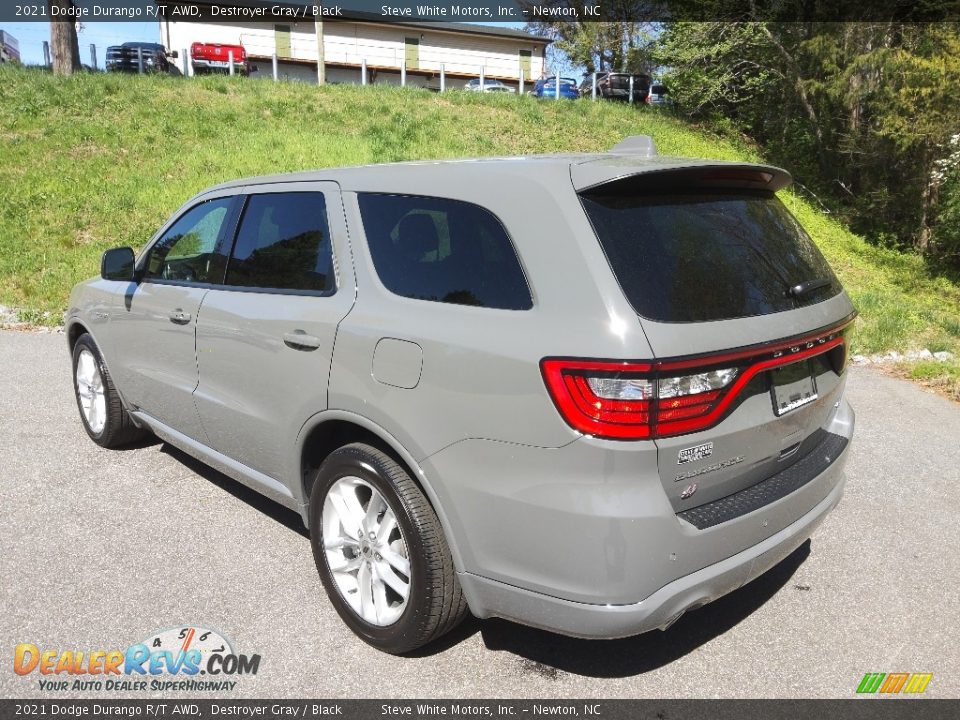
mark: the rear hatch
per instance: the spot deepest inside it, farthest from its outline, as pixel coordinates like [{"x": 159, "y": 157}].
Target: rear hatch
[
  {"x": 745, "y": 318},
  {"x": 567, "y": 85}
]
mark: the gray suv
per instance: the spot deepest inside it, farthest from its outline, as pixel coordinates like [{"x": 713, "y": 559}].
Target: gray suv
[{"x": 587, "y": 393}]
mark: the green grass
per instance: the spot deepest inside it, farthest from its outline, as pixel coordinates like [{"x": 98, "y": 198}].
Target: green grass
[
  {"x": 96, "y": 161},
  {"x": 944, "y": 378}
]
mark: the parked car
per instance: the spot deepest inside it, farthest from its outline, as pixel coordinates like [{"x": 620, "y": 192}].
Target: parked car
[
  {"x": 126, "y": 57},
  {"x": 589, "y": 419},
  {"x": 488, "y": 86},
  {"x": 659, "y": 95},
  {"x": 215, "y": 57},
  {"x": 546, "y": 87},
  {"x": 616, "y": 86}
]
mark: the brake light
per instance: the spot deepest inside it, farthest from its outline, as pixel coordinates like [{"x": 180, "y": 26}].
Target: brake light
[
  {"x": 607, "y": 399},
  {"x": 631, "y": 401}
]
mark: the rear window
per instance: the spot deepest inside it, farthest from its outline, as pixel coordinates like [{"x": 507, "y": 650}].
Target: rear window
[
  {"x": 715, "y": 255},
  {"x": 442, "y": 250}
]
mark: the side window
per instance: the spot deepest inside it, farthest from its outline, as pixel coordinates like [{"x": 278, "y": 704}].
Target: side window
[
  {"x": 443, "y": 250},
  {"x": 188, "y": 250},
  {"x": 283, "y": 244}
]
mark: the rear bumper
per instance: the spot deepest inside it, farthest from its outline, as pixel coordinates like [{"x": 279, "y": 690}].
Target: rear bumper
[
  {"x": 491, "y": 598},
  {"x": 581, "y": 540}
]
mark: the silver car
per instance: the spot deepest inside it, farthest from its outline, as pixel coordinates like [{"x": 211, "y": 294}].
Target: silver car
[
  {"x": 587, "y": 393},
  {"x": 488, "y": 85}
]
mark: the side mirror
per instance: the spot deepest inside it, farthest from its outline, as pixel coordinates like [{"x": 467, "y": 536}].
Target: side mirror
[
  {"x": 117, "y": 264},
  {"x": 173, "y": 54}
]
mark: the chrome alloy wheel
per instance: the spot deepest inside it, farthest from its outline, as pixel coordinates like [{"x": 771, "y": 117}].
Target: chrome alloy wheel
[
  {"x": 90, "y": 391},
  {"x": 365, "y": 551}
]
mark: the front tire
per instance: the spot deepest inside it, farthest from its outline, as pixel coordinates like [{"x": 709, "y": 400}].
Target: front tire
[
  {"x": 381, "y": 552},
  {"x": 102, "y": 413}
]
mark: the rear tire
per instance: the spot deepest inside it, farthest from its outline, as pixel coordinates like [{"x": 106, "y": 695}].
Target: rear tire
[
  {"x": 392, "y": 579},
  {"x": 102, "y": 413}
]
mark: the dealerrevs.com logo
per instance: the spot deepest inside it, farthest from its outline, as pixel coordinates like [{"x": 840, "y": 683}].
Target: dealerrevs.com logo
[{"x": 182, "y": 658}]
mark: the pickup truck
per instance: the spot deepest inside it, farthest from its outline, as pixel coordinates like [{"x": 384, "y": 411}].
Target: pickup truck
[
  {"x": 215, "y": 57},
  {"x": 126, "y": 58},
  {"x": 616, "y": 86}
]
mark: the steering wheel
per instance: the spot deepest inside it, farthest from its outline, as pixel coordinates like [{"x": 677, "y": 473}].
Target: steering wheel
[{"x": 184, "y": 272}]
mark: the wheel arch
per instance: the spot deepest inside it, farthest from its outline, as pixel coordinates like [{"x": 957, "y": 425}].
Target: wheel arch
[
  {"x": 329, "y": 430},
  {"x": 75, "y": 329}
]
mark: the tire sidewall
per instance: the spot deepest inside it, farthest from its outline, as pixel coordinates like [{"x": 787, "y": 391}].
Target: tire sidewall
[
  {"x": 353, "y": 462},
  {"x": 85, "y": 343}
]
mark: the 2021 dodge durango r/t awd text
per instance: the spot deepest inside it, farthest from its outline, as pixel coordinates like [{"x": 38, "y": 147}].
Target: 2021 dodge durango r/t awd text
[{"x": 589, "y": 419}]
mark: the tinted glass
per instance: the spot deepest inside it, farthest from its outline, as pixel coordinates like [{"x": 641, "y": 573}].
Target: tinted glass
[
  {"x": 283, "y": 244},
  {"x": 188, "y": 250},
  {"x": 443, "y": 250},
  {"x": 698, "y": 257}
]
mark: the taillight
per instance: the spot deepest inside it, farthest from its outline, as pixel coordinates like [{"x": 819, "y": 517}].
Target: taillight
[
  {"x": 630, "y": 401},
  {"x": 607, "y": 399}
]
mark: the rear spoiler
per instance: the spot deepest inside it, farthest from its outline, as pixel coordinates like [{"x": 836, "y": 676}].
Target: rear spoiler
[
  {"x": 633, "y": 165},
  {"x": 639, "y": 145}
]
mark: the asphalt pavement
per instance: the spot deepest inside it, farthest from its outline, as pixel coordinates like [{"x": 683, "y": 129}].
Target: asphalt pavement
[{"x": 100, "y": 549}]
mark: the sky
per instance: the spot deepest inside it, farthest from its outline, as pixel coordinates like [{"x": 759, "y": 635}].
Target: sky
[{"x": 31, "y": 36}]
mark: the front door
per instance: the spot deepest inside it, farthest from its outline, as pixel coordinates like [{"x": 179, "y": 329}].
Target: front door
[
  {"x": 265, "y": 338},
  {"x": 158, "y": 362},
  {"x": 281, "y": 40},
  {"x": 412, "y": 52},
  {"x": 525, "y": 63}
]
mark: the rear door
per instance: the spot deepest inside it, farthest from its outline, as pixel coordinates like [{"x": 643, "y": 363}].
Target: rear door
[
  {"x": 749, "y": 367},
  {"x": 265, "y": 338},
  {"x": 158, "y": 362}
]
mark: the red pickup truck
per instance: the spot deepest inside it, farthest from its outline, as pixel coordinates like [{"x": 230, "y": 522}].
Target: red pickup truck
[{"x": 214, "y": 57}]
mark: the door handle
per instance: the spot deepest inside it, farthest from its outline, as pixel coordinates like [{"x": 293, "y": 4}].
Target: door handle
[
  {"x": 299, "y": 340},
  {"x": 180, "y": 317}
]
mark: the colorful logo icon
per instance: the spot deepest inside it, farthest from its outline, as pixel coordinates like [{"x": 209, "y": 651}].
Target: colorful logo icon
[{"x": 894, "y": 683}]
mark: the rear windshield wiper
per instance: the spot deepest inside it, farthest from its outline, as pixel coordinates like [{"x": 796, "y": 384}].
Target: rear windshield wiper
[{"x": 807, "y": 287}]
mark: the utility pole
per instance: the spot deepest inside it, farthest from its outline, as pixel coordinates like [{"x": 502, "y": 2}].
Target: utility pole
[{"x": 321, "y": 61}]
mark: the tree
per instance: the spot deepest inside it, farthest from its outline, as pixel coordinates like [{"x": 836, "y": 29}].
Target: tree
[
  {"x": 64, "y": 44},
  {"x": 621, "y": 43},
  {"x": 862, "y": 112}
]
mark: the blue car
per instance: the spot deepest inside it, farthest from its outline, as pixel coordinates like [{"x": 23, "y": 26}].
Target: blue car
[{"x": 547, "y": 88}]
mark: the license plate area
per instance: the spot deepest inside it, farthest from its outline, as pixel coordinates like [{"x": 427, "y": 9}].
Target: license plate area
[{"x": 793, "y": 386}]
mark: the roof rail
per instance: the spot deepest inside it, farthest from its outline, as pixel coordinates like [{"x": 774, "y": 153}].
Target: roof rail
[{"x": 640, "y": 145}]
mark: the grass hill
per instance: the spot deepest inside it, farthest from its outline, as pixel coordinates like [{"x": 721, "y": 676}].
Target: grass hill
[{"x": 95, "y": 161}]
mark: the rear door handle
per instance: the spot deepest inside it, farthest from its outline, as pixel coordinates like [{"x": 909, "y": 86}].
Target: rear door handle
[
  {"x": 299, "y": 340},
  {"x": 180, "y": 317}
]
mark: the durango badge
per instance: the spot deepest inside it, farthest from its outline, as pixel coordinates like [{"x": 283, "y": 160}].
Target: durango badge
[{"x": 708, "y": 469}]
